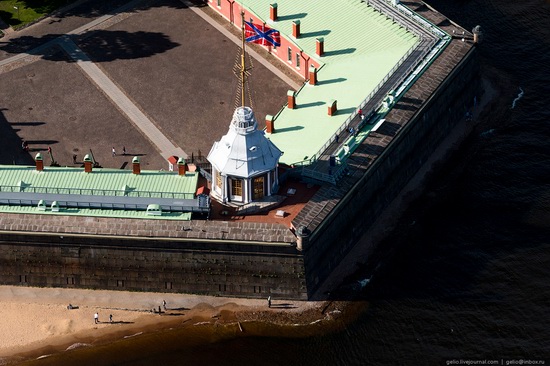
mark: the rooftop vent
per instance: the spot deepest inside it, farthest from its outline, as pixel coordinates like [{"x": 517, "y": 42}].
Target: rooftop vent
[
  {"x": 154, "y": 210},
  {"x": 39, "y": 162},
  {"x": 87, "y": 164},
  {"x": 41, "y": 206},
  {"x": 296, "y": 28},
  {"x": 273, "y": 12},
  {"x": 320, "y": 46},
  {"x": 55, "y": 206},
  {"x": 136, "y": 169},
  {"x": 182, "y": 166}
]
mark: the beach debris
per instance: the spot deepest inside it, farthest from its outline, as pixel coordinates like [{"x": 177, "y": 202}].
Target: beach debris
[
  {"x": 133, "y": 335},
  {"x": 77, "y": 345},
  {"x": 520, "y": 95},
  {"x": 240, "y": 327},
  {"x": 201, "y": 323}
]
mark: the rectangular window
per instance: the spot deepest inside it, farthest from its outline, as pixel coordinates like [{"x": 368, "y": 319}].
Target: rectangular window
[
  {"x": 237, "y": 187},
  {"x": 298, "y": 60},
  {"x": 168, "y": 285},
  {"x": 218, "y": 179},
  {"x": 290, "y": 55},
  {"x": 70, "y": 280},
  {"x": 219, "y": 3},
  {"x": 23, "y": 279},
  {"x": 259, "y": 188},
  {"x": 120, "y": 283}
]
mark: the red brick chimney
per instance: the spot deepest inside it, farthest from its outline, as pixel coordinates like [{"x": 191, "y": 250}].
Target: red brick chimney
[
  {"x": 296, "y": 29},
  {"x": 273, "y": 12},
  {"x": 320, "y": 49},
  {"x": 312, "y": 75},
  {"x": 39, "y": 162},
  {"x": 269, "y": 124},
  {"x": 87, "y": 164},
  {"x": 182, "y": 166},
  {"x": 136, "y": 169},
  {"x": 332, "y": 108},
  {"x": 291, "y": 98}
]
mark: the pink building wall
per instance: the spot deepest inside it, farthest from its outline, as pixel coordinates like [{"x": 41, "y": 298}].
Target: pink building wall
[{"x": 231, "y": 11}]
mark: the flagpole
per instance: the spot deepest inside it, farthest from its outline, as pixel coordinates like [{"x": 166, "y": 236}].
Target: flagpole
[{"x": 243, "y": 70}]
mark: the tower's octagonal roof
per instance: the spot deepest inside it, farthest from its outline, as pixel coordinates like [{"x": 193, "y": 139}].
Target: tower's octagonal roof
[{"x": 244, "y": 151}]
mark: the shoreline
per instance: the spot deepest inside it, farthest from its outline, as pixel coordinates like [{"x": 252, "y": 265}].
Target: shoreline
[{"x": 36, "y": 321}]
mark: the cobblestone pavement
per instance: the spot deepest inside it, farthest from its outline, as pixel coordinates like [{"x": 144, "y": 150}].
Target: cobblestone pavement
[{"x": 188, "y": 104}]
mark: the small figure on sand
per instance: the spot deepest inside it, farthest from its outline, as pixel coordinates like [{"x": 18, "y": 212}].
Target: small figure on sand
[
  {"x": 269, "y": 302},
  {"x": 113, "y": 151},
  {"x": 164, "y": 304},
  {"x": 96, "y": 318},
  {"x": 110, "y": 318},
  {"x": 124, "y": 150}
]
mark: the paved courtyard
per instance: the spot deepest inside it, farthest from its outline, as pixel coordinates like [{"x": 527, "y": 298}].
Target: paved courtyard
[{"x": 173, "y": 68}]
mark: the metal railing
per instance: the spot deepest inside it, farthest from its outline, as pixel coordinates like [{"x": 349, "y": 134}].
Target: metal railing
[
  {"x": 96, "y": 192},
  {"x": 346, "y": 123}
]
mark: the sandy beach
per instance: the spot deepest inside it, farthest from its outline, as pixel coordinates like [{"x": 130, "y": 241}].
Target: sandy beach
[{"x": 37, "y": 321}]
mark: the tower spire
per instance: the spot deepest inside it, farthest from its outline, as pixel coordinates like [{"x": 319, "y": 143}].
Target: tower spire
[{"x": 243, "y": 63}]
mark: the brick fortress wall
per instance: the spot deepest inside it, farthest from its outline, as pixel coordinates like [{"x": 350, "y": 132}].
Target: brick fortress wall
[
  {"x": 157, "y": 265},
  {"x": 364, "y": 199}
]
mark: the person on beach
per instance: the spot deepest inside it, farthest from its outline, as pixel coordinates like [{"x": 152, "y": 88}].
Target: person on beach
[
  {"x": 113, "y": 151},
  {"x": 124, "y": 150},
  {"x": 96, "y": 318},
  {"x": 110, "y": 318},
  {"x": 269, "y": 302},
  {"x": 164, "y": 304}
]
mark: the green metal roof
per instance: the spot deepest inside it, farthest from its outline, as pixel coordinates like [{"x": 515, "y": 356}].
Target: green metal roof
[
  {"x": 100, "y": 182},
  {"x": 110, "y": 181},
  {"x": 361, "y": 47}
]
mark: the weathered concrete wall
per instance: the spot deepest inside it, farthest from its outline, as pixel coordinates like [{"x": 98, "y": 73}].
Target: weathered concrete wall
[
  {"x": 402, "y": 155},
  {"x": 213, "y": 268}
]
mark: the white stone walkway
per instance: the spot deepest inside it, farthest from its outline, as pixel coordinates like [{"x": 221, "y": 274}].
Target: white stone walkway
[{"x": 117, "y": 96}]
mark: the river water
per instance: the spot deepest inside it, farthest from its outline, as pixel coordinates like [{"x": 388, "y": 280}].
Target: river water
[{"x": 466, "y": 275}]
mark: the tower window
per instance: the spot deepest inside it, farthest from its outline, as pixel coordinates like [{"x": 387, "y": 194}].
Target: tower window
[
  {"x": 218, "y": 179},
  {"x": 290, "y": 55},
  {"x": 237, "y": 187}
]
